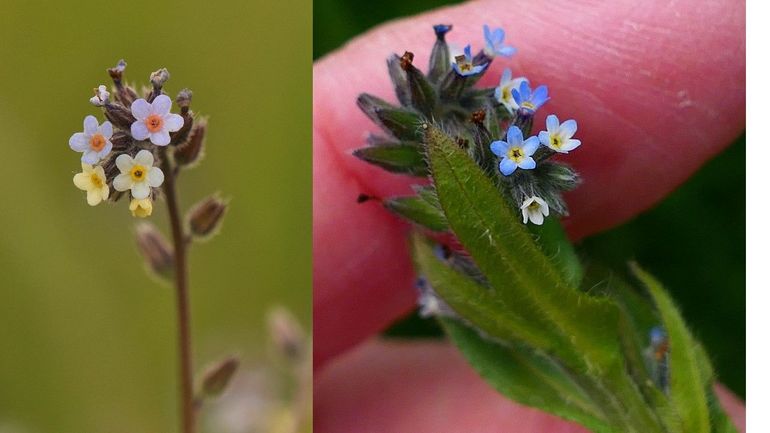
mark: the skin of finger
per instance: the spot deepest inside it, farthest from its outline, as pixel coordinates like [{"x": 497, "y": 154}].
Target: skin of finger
[
  {"x": 392, "y": 386},
  {"x": 657, "y": 89}
]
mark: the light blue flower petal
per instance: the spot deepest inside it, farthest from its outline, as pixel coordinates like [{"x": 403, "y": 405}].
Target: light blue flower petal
[
  {"x": 456, "y": 68},
  {"x": 527, "y": 163},
  {"x": 544, "y": 137},
  {"x": 568, "y": 128},
  {"x": 498, "y": 35},
  {"x": 467, "y": 52},
  {"x": 526, "y": 92},
  {"x": 506, "y": 51},
  {"x": 514, "y": 136},
  {"x": 507, "y": 166},
  {"x": 499, "y": 148},
  {"x": 552, "y": 123},
  {"x": 499, "y": 93},
  {"x": 516, "y": 97},
  {"x": 530, "y": 145},
  {"x": 540, "y": 96},
  {"x": 90, "y": 157},
  {"x": 487, "y": 34},
  {"x": 507, "y": 74},
  {"x": 571, "y": 144}
]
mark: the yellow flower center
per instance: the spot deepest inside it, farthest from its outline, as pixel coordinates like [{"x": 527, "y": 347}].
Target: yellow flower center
[
  {"x": 96, "y": 180},
  {"x": 97, "y": 142},
  {"x": 154, "y": 123},
  {"x": 528, "y": 105},
  {"x": 533, "y": 207},
  {"x": 556, "y": 142},
  {"x": 507, "y": 96},
  {"x": 138, "y": 173},
  {"x": 516, "y": 154}
]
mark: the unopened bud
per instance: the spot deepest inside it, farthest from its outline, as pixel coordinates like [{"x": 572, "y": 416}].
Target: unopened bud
[
  {"x": 286, "y": 333},
  {"x": 189, "y": 152},
  {"x": 116, "y": 73},
  {"x": 183, "y": 99},
  {"x": 158, "y": 78},
  {"x": 119, "y": 115},
  {"x": 205, "y": 218},
  {"x": 406, "y": 60},
  {"x": 218, "y": 376},
  {"x": 157, "y": 252}
]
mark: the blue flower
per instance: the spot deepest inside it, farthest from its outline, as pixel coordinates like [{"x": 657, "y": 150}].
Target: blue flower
[
  {"x": 442, "y": 29},
  {"x": 494, "y": 43},
  {"x": 528, "y": 100},
  {"x": 504, "y": 92},
  {"x": 558, "y": 136},
  {"x": 515, "y": 151},
  {"x": 464, "y": 66}
]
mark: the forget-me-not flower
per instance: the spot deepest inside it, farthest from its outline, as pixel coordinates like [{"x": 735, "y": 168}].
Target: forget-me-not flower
[
  {"x": 155, "y": 121},
  {"x": 530, "y": 100},
  {"x": 464, "y": 66},
  {"x": 558, "y": 137},
  {"x": 495, "y": 45},
  {"x": 93, "y": 181},
  {"x": 137, "y": 174},
  {"x": 101, "y": 96},
  {"x": 515, "y": 151},
  {"x": 504, "y": 92},
  {"x": 94, "y": 142},
  {"x": 534, "y": 209}
]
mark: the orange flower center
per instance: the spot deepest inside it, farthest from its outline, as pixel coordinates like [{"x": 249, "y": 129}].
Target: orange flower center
[
  {"x": 154, "y": 123},
  {"x": 97, "y": 142}
]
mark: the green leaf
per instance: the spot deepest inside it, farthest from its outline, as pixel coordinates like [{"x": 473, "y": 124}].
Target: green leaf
[
  {"x": 688, "y": 389},
  {"x": 400, "y": 122},
  {"x": 404, "y": 158},
  {"x": 418, "y": 211},
  {"x": 581, "y": 327},
  {"x": 526, "y": 377},
  {"x": 554, "y": 242},
  {"x": 398, "y": 77},
  {"x": 422, "y": 93}
]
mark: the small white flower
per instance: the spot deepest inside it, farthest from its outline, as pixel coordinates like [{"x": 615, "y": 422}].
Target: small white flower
[
  {"x": 137, "y": 174},
  {"x": 102, "y": 96},
  {"x": 93, "y": 182},
  {"x": 94, "y": 141},
  {"x": 558, "y": 137},
  {"x": 155, "y": 121},
  {"x": 534, "y": 209},
  {"x": 504, "y": 91}
]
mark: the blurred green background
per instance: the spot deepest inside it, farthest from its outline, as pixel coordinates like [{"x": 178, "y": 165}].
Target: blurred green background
[
  {"x": 693, "y": 243},
  {"x": 87, "y": 339}
]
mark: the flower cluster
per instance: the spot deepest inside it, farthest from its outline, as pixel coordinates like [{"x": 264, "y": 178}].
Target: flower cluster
[
  {"x": 124, "y": 153},
  {"x": 495, "y": 125}
]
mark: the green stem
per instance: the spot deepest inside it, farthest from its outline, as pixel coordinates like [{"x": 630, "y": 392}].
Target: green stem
[{"x": 182, "y": 298}]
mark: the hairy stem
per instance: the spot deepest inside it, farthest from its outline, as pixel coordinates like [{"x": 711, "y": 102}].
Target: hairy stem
[{"x": 182, "y": 297}]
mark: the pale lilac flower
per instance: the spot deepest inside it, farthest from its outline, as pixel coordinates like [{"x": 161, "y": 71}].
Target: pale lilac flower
[
  {"x": 534, "y": 209},
  {"x": 558, "y": 137},
  {"x": 515, "y": 151},
  {"x": 102, "y": 96},
  {"x": 155, "y": 121},
  {"x": 94, "y": 142},
  {"x": 137, "y": 174}
]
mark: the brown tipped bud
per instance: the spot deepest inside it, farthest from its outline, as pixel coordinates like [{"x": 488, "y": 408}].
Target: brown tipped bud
[
  {"x": 205, "y": 218},
  {"x": 159, "y": 78},
  {"x": 119, "y": 115},
  {"x": 286, "y": 333},
  {"x": 155, "y": 249},
  {"x": 190, "y": 152},
  {"x": 116, "y": 73},
  {"x": 406, "y": 60},
  {"x": 183, "y": 100},
  {"x": 218, "y": 376}
]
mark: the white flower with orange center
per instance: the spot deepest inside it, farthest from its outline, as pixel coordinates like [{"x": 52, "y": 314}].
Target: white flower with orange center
[
  {"x": 137, "y": 174},
  {"x": 93, "y": 182},
  {"x": 534, "y": 209},
  {"x": 94, "y": 142},
  {"x": 155, "y": 121}
]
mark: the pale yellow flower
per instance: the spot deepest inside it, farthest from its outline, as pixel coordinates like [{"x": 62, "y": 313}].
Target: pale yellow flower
[
  {"x": 93, "y": 182},
  {"x": 141, "y": 208}
]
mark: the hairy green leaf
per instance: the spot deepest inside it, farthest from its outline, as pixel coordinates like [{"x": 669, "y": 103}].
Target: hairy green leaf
[
  {"x": 417, "y": 210},
  {"x": 405, "y": 157}
]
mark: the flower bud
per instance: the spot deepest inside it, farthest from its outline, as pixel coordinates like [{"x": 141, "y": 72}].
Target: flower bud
[
  {"x": 157, "y": 252},
  {"x": 183, "y": 100},
  {"x": 285, "y": 333},
  {"x": 205, "y": 218},
  {"x": 159, "y": 78},
  {"x": 189, "y": 153},
  {"x": 118, "y": 115},
  {"x": 218, "y": 376}
]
